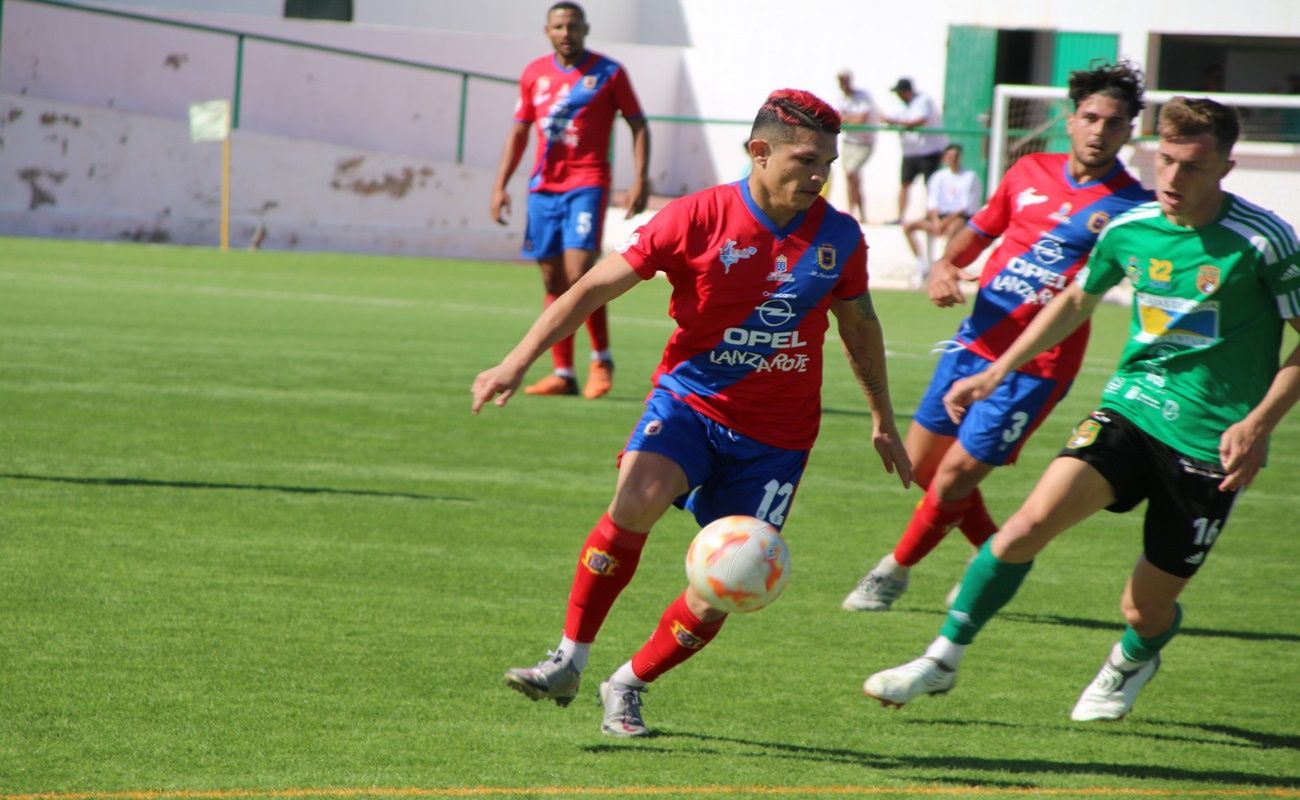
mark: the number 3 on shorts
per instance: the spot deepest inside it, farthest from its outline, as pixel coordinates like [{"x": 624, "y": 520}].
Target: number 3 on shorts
[
  {"x": 774, "y": 490},
  {"x": 1018, "y": 422}
]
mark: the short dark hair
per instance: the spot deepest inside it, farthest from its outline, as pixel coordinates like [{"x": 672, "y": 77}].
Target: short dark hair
[
  {"x": 1193, "y": 116},
  {"x": 793, "y": 108},
  {"x": 953, "y": 146},
  {"x": 567, "y": 6},
  {"x": 1122, "y": 80}
]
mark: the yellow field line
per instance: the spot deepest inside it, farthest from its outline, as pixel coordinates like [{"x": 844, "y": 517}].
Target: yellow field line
[{"x": 645, "y": 791}]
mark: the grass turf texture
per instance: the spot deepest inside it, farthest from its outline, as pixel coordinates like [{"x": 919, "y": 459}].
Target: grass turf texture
[{"x": 252, "y": 541}]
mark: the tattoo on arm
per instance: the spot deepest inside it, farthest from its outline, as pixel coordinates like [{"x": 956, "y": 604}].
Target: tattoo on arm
[
  {"x": 865, "y": 308},
  {"x": 865, "y": 368}
]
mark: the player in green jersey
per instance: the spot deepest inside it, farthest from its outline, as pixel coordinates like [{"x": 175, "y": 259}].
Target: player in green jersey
[{"x": 1184, "y": 423}]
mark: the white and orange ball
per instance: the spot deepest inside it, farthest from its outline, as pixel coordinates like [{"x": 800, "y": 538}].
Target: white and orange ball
[{"x": 738, "y": 563}]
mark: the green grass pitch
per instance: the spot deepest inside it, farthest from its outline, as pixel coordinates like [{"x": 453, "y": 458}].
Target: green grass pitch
[{"x": 252, "y": 544}]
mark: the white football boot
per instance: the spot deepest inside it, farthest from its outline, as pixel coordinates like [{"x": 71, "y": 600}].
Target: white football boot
[
  {"x": 925, "y": 675},
  {"x": 1112, "y": 693},
  {"x": 622, "y": 711},
  {"x": 552, "y": 679}
]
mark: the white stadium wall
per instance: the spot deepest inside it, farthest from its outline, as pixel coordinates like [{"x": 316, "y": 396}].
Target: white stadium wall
[
  {"x": 715, "y": 59},
  {"x": 77, "y": 172}
]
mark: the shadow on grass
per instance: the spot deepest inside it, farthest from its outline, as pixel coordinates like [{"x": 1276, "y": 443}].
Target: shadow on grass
[
  {"x": 250, "y": 487},
  {"x": 1239, "y": 737},
  {"x": 949, "y": 763},
  {"x": 1118, "y": 626}
]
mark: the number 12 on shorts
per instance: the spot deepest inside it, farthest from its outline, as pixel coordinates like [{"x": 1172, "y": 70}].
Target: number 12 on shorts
[{"x": 775, "y": 492}]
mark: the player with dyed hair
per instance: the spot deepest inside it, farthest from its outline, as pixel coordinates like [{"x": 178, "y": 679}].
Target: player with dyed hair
[
  {"x": 755, "y": 267},
  {"x": 1048, "y": 209},
  {"x": 571, "y": 96},
  {"x": 1184, "y": 423}
]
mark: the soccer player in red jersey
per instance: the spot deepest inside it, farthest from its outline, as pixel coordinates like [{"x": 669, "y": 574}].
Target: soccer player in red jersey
[
  {"x": 571, "y": 96},
  {"x": 1048, "y": 209},
  {"x": 756, "y": 267}
]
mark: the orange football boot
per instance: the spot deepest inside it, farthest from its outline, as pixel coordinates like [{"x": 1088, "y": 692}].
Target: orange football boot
[
  {"x": 553, "y": 385},
  {"x": 600, "y": 380}
]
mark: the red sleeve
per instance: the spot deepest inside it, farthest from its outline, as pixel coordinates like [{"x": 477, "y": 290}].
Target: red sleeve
[
  {"x": 853, "y": 280},
  {"x": 659, "y": 245},
  {"x": 624, "y": 98},
  {"x": 524, "y": 111}
]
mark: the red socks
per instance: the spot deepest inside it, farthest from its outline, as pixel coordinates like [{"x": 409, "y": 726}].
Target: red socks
[
  {"x": 605, "y": 566},
  {"x": 561, "y": 351},
  {"x": 598, "y": 329},
  {"x": 930, "y": 522},
  {"x": 977, "y": 526},
  {"x": 679, "y": 636}
]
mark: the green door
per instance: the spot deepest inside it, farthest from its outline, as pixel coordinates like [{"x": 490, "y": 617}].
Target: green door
[{"x": 968, "y": 92}]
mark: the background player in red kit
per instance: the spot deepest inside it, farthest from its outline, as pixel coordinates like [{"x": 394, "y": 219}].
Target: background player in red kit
[
  {"x": 572, "y": 96},
  {"x": 1048, "y": 209},
  {"x": 755, "y": 268}
]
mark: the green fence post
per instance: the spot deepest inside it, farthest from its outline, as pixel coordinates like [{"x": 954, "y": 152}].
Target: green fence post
[
  {"x": 460, "y": 132},
  {"x": 239, "y": 80}
]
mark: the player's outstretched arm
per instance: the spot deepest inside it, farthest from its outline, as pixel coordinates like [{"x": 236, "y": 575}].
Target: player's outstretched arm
[
  {"x": 1243, "y": 446},
  {"x": 1066, "y": 312},
  {"x": 946, "y": 275},
  {"x": 611, "y": 277},
  {"x": 864, "y": 345},
  {"x": 516, "y": 141}
]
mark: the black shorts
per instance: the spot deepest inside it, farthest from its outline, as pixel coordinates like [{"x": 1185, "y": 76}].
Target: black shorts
[
  {"x": 1186, "y": 512},
  {"x": 925, "y": 165}
]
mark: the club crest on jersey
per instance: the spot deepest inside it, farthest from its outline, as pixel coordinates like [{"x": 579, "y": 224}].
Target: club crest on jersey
[
  {"x": 781, "y": 271},
  {"x": 1062, "y": 214},
  {"x": 826, "y": 256},
  {"x": 589, "y": 82},
  {"x": 598, "y": 562},
  {"x": 1207, "y": 278},
  {"x": 1084, "y": 434},
  {"x": 1097, "y": 221},
  {"x": 686, "y": 638},
  {"x": 730, "y": 255}
]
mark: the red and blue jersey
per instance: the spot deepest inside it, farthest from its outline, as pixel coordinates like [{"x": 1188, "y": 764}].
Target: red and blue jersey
[
  {"x": 1048, "y": 223},
  {"x": 750, "y": 301},
  {"x": 573, "y": 108}
]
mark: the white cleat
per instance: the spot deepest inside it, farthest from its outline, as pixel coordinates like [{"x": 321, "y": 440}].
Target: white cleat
[
  {"x": 1112, "y": 693},
  {"x": 552, "y": 679},
  {"x": 925, "y": 675},
  {"x": 877, "y": 591},
  {"x": 622, "y": 711}
]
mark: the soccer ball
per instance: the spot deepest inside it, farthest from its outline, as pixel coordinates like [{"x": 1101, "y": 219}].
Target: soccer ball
[{"x": 738, "y": 563}]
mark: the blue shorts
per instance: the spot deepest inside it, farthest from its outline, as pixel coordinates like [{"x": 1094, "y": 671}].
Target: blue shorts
[
  {"x": 728, "y": 472},
  {"x": 564, "y": 221},
  {"x": 995, "y": 428}
]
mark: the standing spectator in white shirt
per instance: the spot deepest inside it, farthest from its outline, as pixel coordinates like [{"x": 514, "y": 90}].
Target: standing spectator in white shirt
[
  {"x": 921, "y": 151},
  {"x": 856, "y": 107}
]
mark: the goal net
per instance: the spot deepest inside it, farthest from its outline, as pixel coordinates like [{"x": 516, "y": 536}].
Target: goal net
[{"x": 1031, "y": 119}]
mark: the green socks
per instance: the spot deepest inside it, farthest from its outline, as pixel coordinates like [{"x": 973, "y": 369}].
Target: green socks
[
  {"x": 1141, "y": 648},
  {"x": 988, "y": 585}
]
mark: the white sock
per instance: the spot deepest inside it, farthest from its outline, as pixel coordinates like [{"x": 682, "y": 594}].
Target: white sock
[
  {"x": 892, "y": 568},
  {"x": 574, "y": 652},
  {"x": 948, "y": 652},
  {"x": 566, "y": 373},
  {"x": 624, "y": 676},
  {"x": 601, "y": 355}
]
